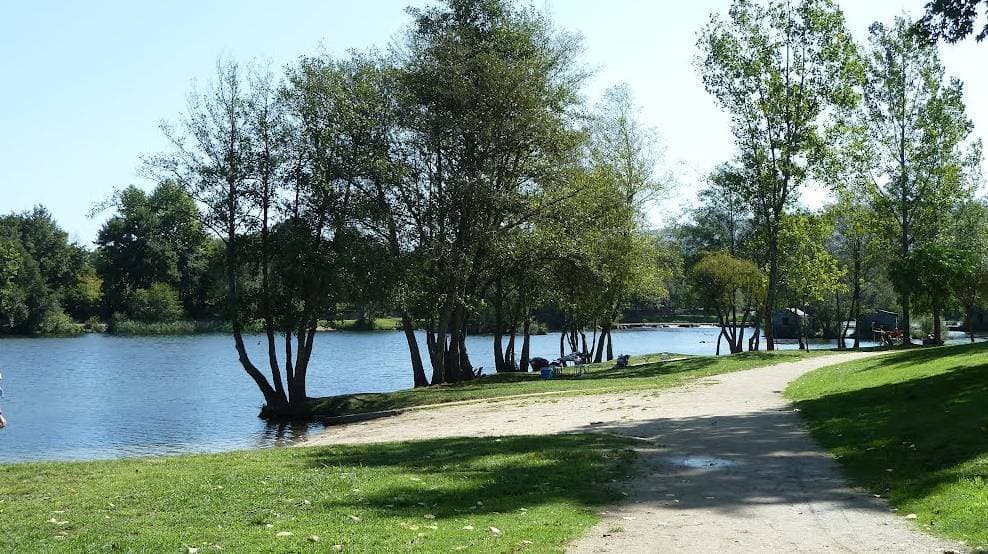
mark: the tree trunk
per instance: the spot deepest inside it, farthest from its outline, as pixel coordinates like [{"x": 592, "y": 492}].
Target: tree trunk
[
  {"x": 466, "y": 368},
  {"x": 525, "y": 343},
  {"x": 753, "y": 342},
  {"x": 857, "y": 317},
  {"x": 906, "y": 325},
  {"x": 418, "y": 370},
  {"x": 803, "y": 324},
  {"x": 498, "y": 326},
  {"x": 610, "y": 346},
  {"x": 771, "y": 291},
  {"x": 970, "y": 321},
  {"x": 599, "y": 354},
  {"x": 937, "y": 328},
  {"x": 272, "y": 400}
]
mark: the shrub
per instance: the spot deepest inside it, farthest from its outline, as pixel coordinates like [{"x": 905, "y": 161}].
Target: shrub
[
  {"x": 59, "y": 323},
  {"x": 158, "y": 303}
]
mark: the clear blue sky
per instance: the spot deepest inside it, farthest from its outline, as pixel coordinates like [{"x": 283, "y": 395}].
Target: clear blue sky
[{"x": 85, "y": 84}]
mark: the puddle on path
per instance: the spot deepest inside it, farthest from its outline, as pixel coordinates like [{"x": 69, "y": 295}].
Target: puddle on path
[{"x": 701, "y": 462}]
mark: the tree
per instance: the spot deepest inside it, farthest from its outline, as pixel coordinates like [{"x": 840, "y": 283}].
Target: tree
[
  {"x": 157, "y": 303},
  {"x": 811, "y": 274},
  {"x": 856, "y": 247},
  {"x": 10, "y": 265},
  {"x": 782, "y": 69},
  {"x": 723, "y": 221},
  {"x": 917, "y": 129},
  {"x": 624, "y": 155},
  {"x": 152, "y": 238},
  {"x": 856, "y": 241},
  {"x": 971, "y": 238},
  {"x": 730, "y": 287},
  {"x": 951, "y": 20},
  {"x": 274, "y": 166},
  {"x": 935, "y": 271},
  {"x": 49, "y": 269},
  {"x": 489, "y": 93}
]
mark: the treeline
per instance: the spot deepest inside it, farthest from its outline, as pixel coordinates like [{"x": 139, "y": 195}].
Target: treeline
[
  {"x": 153, "y": 266},
  {"x": 45, "y": 281},
  {"x": 884, "y": 128}
]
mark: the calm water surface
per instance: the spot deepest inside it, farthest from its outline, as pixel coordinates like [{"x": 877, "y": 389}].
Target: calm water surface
[{"x": 100, "y": 396}]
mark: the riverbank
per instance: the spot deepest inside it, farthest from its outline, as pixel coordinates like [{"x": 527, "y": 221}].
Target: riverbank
[
  {"x": 514, "y": 493},
  {"x": 455, "y": 488},
  {"x": 654, "y": 371},
  {"x": 911, "y": 429}
]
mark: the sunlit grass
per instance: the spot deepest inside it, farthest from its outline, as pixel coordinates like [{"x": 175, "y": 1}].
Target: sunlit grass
[
  {"x": 514, "y": 494},
  {"x": 644, "y": 372},
  {"x": 913, "y": 428}
]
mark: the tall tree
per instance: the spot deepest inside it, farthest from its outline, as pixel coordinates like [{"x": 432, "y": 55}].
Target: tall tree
[
  {"x": 624, "y": 159},
  {"x": 919, "y": 131},
  {"x": 490, "y": 95},
  {"x": 782, "y": 69}
]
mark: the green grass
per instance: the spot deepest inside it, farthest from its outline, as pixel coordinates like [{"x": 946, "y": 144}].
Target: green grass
[
  {"x": 644, "y": 372},
  {"x": 434, "y": 496},
  {"x": 912, "y": 427},
  {"x": 377, "y": 324},
  {"x": 183, "y": 327}
]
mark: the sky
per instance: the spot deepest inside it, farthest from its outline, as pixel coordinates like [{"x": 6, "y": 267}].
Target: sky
[{"x": 85, "y": 85}]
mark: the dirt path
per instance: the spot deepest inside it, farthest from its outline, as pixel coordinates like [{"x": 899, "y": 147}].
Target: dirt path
[{"x": 728, "y": 466}]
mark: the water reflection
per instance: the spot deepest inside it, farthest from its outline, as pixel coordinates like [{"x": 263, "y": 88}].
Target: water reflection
[{"x": 288, "y": 433}]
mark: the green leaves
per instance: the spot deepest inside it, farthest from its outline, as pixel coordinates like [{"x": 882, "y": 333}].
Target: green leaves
[{"x": 725, "y": 283}]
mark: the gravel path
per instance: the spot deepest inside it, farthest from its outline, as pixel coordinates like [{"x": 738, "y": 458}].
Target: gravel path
[{"x": 728, "y": 466}]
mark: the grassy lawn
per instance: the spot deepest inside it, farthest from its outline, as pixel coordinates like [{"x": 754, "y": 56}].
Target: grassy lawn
[
  {"x": 644, "y": 372},
  {"x": 913, "y": 428},
  {"x": 531, "y": 494}
]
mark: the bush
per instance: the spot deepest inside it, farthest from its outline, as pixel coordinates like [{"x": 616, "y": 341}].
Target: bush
[
  {"x": 158, "y": 303},
  {"x": 59, "y": 323}
]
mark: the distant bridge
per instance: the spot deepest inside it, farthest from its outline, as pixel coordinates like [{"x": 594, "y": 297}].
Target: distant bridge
[{"x": 664, "y": 325}]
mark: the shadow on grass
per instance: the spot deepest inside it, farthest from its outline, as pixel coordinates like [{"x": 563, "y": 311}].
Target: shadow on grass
[
  {"x": 462, "y": 476},
  {"x": 907, "y": 437}
]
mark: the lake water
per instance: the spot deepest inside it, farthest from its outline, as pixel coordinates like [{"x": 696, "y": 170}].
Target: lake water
[{"x": 101, "y": 396}]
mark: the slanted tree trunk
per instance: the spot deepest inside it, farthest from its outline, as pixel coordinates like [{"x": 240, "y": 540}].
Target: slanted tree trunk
[
  {"x": 418, "y": 370},
  {"x": 754, "y": 341},
  {"x": 605, "y": 332}
]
